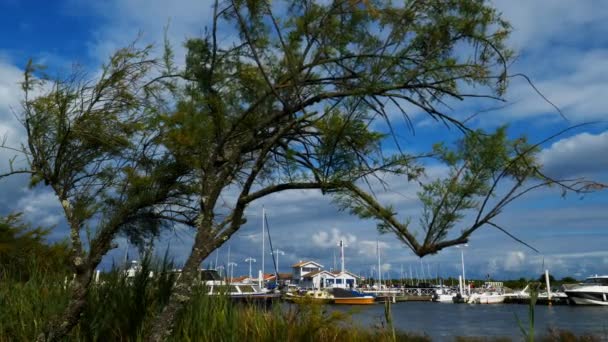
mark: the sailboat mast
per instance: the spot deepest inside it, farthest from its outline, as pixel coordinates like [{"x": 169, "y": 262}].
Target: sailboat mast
[
  {"x": 341, "y": 256},
  {"x": 411, "y": 276},
  {"x": 334, "y": 254},
  {"x": 263, "y": 238},
  {"x": 379, "y": 267}
]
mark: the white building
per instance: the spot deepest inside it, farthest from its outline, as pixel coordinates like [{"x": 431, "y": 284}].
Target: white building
[
  {"x": 342, "y": 279},
  {"x": 320, "y": 279},
  {"x": 303, "y": 268},
  {"x": 317, "y": 279}
]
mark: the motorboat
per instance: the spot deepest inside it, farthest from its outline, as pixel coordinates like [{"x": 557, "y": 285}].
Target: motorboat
[
  {"x": 443, "y": 295},
  {"x": 242, "y": 292},
  {"x": 236, "y": 291},
  {"x": 592, "y": 291},
  {"x": 486, "y": 298},
  {"x": 310, "y": 296},
  {"x": 351, "y": 297}
]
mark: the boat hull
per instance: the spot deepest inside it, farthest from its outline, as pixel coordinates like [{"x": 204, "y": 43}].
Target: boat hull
[
  {"x": 366, "y": 300},
  {"x": 587, "y": 298},
  {"x": 486, "y": 299},
  {"x": 443, "y": 298}
]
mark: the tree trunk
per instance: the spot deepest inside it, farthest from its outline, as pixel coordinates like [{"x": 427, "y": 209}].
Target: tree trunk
[
  {"x": 63, "y": 324},
  {"x": 164, "y": 323}
]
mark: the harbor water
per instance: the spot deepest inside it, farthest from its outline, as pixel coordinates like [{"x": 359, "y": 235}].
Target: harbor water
[{"x": 442, "y": 322}]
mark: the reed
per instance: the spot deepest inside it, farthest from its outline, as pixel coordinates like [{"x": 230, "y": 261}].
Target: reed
[{"x": 121, "y": 309}]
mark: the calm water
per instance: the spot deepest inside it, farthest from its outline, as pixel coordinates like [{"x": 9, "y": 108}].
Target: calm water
[{"x": 444, "y": 321}]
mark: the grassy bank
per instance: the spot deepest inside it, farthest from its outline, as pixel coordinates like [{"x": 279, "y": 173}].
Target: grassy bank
[{"x": 121, "y": 310}]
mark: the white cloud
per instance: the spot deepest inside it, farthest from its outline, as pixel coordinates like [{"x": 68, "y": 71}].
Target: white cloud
[
  {"x": 11, "y": 131},
  {"x": 40, "y": 208},
  {"x": 559, "y": 18},
  {"x": 125, "y": 20},
  {"x": 582, "y": 154},
  {"x": 10, "y": 91},
  {"x": 324, "y": 239},
  {"x": 367, "y": 248},
  {"x": 500, "y": 263},
  {"x": 514, "y": 260}
]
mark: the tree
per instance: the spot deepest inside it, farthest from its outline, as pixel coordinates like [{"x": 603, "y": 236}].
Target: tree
[
  {"x": 304, "y": 102},
  {"x": 486, "y": 172},
  {"x": 295, "y": 104},
  {"x": 541, "y": 279},
  {"x": 22, "y": 247},
  {"x": 91, "y": 141},
  {"x": 568, "y": 280}
]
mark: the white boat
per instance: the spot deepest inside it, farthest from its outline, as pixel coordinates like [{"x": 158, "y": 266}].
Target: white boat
[
  {"x": 236, "y": 291},
  {"x": 317, "y": 296},
  {"x": 443, "y": 296},
  {"x": 486, "y": 298},
  {"x": 593, "y": 291}
]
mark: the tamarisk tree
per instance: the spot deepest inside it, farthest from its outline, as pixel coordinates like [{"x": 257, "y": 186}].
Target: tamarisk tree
[
  {"x": 485, "y": 173},
  {"x": 303, "y": 96},
  {"x": 298, "y": 100},
  {"x": 91, "y": 141}
]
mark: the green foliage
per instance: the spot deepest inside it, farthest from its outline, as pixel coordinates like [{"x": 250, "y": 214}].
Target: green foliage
[
  {"x": 529, "y": 333},
  {"x": 475, "y": 165},
  {"x": 121, "y": 309},
  {"x": 296, "y": 102},
  {"x": 22, "y": 246},
  {"x": 541, "y": 279},
  {"x": 568, "y": 280}
]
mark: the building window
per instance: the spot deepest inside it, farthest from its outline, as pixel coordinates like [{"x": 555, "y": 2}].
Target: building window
[{"x": 338, "y": 281}]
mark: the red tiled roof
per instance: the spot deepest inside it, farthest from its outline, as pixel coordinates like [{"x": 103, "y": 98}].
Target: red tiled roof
[{"x": 283, "y": 276}]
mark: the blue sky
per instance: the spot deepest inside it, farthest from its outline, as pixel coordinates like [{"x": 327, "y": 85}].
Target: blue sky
[{"x": 561, "y": 45}]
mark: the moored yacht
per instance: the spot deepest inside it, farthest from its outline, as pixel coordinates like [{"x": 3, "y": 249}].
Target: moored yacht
[
  {"x": 593, "y": 291},
  {"x": 443, "y": 295},
  {"x": 486, "y": 298}
]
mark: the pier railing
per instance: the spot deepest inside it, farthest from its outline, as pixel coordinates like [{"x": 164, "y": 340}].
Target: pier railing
[{"x": 408, "y": 291}]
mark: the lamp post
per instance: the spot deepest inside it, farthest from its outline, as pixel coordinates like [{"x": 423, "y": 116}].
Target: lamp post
[
  {"x": 250, "y": 260},
  {"x": 220, "y": 268},
  {"x": 231, "y": 269},
  {"x": 464, "y": 282}
]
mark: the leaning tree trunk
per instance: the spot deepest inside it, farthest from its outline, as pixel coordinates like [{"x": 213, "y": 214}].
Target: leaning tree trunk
[
  {"x": 68, "y": 319},
  {"x": 164, "y": 323}
]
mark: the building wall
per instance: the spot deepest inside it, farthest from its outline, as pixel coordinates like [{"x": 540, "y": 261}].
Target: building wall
[{"x": 301, "y": 271}]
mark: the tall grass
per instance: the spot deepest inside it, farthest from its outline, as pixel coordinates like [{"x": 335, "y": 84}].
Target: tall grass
[
  {"x": 26, "y": 306},
  {"x": 121, "y": 309},
  {"x": 217, "y": 319}
]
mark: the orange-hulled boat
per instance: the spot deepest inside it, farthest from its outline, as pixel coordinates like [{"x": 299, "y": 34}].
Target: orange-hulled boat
[{"x": 364, "y": 300}]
